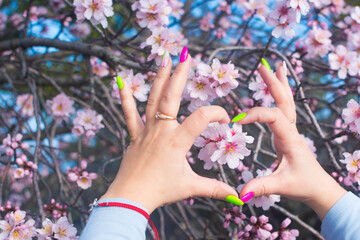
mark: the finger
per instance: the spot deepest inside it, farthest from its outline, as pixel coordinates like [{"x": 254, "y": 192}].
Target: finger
[
  {"x": 133, "y": 120},
  {"x": 158, "y": 87},
  {"x": 277, "y": 91},
  {"x": 281, "y": 74},
  {"x": 212, "y": 188},
  {"x": 277, "y": 121},
  {"x": 267, "y": 185},
  {"x": 199, "y": 120},
  {"x": 170, "y": 100}
]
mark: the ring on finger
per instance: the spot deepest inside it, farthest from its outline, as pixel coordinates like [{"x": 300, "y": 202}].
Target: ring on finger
[
  {"x": 292, "y": 121},
  {"x": 161, "y": 116}
]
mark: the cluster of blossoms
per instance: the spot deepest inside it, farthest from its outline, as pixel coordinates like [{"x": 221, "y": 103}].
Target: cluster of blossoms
[
  {"x": 25, "y": 167},
  {"x": 100, "y": 69},
  {"x": 11, "y": 144},
  {"x": 61, "y": 106},
  {"x": 96, "y": 11},
  {"x": 87, "y": 122},
  {"x": 81, "y": 176},
  {"x": 136, "y": 83},
  {"x": 54, "y": 209},
  {"x": 233, "y": 215},
  {"x": 263, "y": 201},
  {"x": 224, "y": 145},
  {"x": 261, "y": 92},
  {"x": 210, "y": 82},
  {"x": 8, "y": 208},
  {"x": 25, "y": 101},
  {"x": 352, "y": 162},
  {"x": 258, "y": 228},
  {"x": 80, "y": 30},
  {"x": 344, "y": 61},
  {"x": 310, "y": 144},
  {"x": 318, "y": 42},
  {"x": 61, "y": 229},
  {"x": 152, "y": 13},
  {"x": 351, "y": 116},
  {"x": 15, "y": 227},
  {"x": 285, "y": 234}
]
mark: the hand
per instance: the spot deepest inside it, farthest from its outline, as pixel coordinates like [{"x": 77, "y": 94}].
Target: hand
[
  {"x": 154, "y": 170},
  {"x": 299, "y": 176}
]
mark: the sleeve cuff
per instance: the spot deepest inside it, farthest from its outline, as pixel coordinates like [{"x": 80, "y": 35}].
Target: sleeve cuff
[{"x": 115, "y": 222}]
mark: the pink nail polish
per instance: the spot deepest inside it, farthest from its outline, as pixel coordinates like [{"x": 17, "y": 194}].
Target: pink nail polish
[
  {"x": 247, "y": 196},
  {"x": 184, "y": 54}
]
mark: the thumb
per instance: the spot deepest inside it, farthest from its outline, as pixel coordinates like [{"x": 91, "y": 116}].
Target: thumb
[
  {"x": 261, "y": 186},
  {"x": 212, "y": 188}
]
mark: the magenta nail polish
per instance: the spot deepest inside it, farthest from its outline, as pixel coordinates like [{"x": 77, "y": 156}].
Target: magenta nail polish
[
  {"x": 247, "y": 196},
  {"x": 292, "y": 91},
  {"x": 184, "y": 54}
]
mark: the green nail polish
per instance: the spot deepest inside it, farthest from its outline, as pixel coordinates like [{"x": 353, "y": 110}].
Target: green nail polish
[
  {"x": 239, "y": 117},
  {"x": 265, "y": 63},
  {"x": 163, "y": 55},
  {"x": 234, "y": 200},
  {"x": 120, "y": 82}
]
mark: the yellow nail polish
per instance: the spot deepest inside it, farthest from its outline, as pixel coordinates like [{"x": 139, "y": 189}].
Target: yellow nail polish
[
  {"x": 120, "y": 82},
  {"x": 265, "y": 63},
  {"x": 234, "y": 200},
  {"x": 239, "y": 117}
]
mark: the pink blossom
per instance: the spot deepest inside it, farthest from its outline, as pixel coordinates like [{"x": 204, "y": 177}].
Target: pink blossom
[
  {"x": 301, "y": 7},
  {"x": 63, "y": 230},
  {"x": 339, "y": 124},
  {"x": 96, "y": 11},
  {"x": 17, "y": 20},
  {"x": 35, "y": 12},
  {"x": 261, "y": 91},
  {"x": 45, "y": 232},
  {"x": 25, "y": 101},
  {"x": 152, "y": 13},
  {"x": 177, "y": 8},
  {"x": 310, "y": 144},
  {"x": 345, "y": 61},
  {"x": 61, "y": 107},
  {"x": 100, "y": 69},
  {"x": 206, "y": 22},
  {"x": 355, "y": 15},
  {"x": 284, "y": 19},
  {"x": 258, "y": 228},
  {"x": 87, "y": 121},
  {"x": 16, "y": 227},
  {"x": 81, "y": 176},
  {"x": 80, "y": 30},
  {"x": 11, "y": 144},
  {"x": 136, "y": 83},
  {"x": 351, "y": 115},
  {"x": 233, "y": 214},
  {"x": 318, "y": 42},
  {"x": 265, "y": 202}
]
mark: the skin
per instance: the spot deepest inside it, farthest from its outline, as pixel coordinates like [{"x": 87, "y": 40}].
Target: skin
[{"x": 154, "y": 170}]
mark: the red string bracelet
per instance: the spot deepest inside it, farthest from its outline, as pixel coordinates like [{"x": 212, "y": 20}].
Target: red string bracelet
[{"x": 128, "y": 206}]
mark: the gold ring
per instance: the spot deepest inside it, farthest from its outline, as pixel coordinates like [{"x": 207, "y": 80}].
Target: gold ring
[
  {"x": 161, "y": 116},
  {"x": 292, "y": 121}
]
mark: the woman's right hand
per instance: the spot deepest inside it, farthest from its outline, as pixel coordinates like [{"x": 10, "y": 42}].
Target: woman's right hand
[{"x": 299, "y": 176}]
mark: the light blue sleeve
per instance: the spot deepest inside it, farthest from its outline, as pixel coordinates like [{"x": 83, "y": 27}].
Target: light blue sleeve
[
  {"x": 115, "y": 223},
  {"x": 343, "y": 219}
]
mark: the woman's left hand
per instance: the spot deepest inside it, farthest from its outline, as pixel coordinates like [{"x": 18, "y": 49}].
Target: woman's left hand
[{"x": 154, "y": 170}]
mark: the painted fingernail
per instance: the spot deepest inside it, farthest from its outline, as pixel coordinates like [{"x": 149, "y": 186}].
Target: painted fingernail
[
  {"x": 239, "y": 117},
  {"x": 285, "y": 68},
  {"x": 229, "y": 119},
  {"x": 265, "y": 63},
  {"x": 234, "y": 200},
  {"x": 292, "y": 91},
  {"x": 247, "y": 197},
  {"x": 120, "y": 82},
  {"x": 165, "y": 59},
  {"x": 184, "y": 54}
]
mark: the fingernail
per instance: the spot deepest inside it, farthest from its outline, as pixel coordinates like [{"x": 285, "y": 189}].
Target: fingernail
[
  {"x": 184, "y": 54},
  {"x": 239, "y": 117},
  {"x": 234, "y": 200},
  {"x": 247, "y": 197},
  {"x": 229, "y": 119},
  {"x": 285, "y": 68},
  {"x": 265, "y": 63},
  {"x": 165, "y": 59},
  {"x": 120, "y": 82},
  {"x": 292, "y": 91}
]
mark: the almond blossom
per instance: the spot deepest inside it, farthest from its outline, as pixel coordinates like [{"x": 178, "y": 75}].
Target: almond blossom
[
  {"x": 265, "y": 202},
  {"x": 99, "y": 68},
  {"x": 351, "y": 115},
  {"x": 258, "y": 228},
  {"x": 206, "y": 22},
  {"x": 233, "y": 214},
  {"x": 318, "y": 42},
  {"x": 136, "y": 83},
  {"x": 261, "y": 91},
  {"x": 352, "y": 162},
  {"x": 81, "y": 176},
  {"x": 285, "y": 234},
  {"x": 11, "y": 144},
  {"x": 301, "y": 7},
  {"x": 61, "y": 106},
  {"x": 177, "y": 8},
  {"x": 61, "y": 229},
  {"x": 25, "y": 101},
  {"x": 15, "y": 226},
  {"x": 152, "y": 13},
  {"x": 25, "y": 167},
  {"x": 221, "y": 144},
  {"x": 284, "y": 19},
  {"x": 345, "y": 61},
  {"x": 87, "y": 122}
]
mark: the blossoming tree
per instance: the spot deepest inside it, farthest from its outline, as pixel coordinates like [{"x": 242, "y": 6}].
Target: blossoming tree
[{"x": 63, "y": 133}]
